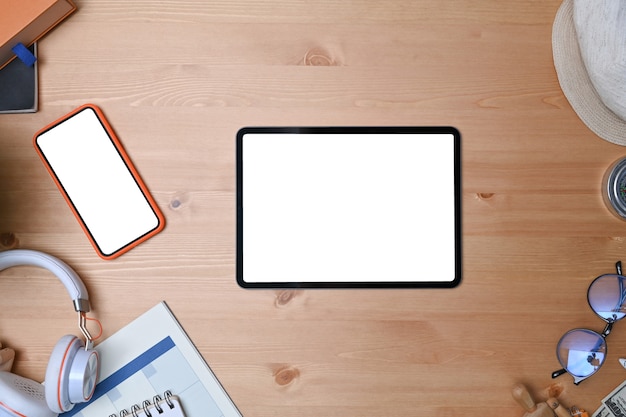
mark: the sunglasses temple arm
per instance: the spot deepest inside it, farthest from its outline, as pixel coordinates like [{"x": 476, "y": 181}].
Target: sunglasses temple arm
[
  {"x": 558, "y": 373},
  {"x": 618, "y": 267}
]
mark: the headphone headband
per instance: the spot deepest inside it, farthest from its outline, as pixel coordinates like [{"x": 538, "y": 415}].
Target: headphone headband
[{"x": 69, "y": 278}]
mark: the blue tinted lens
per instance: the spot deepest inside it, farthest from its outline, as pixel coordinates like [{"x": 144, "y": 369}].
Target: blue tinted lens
[
  {"x": 581, "y": 352},
  {"x": 607, "y": 297}
]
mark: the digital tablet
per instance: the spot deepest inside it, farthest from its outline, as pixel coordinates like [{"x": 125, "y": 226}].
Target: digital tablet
[{"x": 348, "y": 207}]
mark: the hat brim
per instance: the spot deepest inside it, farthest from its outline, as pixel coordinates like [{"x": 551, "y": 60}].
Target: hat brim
[{"x": 575, "y": 82}]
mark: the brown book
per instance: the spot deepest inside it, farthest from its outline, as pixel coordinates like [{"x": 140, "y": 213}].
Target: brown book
[{"x": 27, "y": 21}]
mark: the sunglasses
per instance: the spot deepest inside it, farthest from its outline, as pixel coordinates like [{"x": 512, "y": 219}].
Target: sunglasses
[{"x": 582, "y": 352}]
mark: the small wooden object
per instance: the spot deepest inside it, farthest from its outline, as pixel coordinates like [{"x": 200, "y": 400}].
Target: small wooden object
[
  {"x": 558, "y": 408},
  {"x": 578, "y": 412},
  {"x": 523, "y": 398}
]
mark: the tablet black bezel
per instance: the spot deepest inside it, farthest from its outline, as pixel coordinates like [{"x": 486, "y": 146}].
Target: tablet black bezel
[{"x": 351, "y": 130}]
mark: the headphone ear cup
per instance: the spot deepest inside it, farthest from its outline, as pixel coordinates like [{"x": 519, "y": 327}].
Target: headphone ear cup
[
  {"x": 71, "y": 374},
  {"x": 83, "y": 375},
  {"x": 22, "y": 396}
]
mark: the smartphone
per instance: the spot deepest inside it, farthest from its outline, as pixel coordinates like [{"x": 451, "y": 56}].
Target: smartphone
[{"x": 99, "y": 182}]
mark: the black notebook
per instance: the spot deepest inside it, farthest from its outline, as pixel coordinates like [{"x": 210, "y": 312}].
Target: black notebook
[{"x": 18, "y": 86}]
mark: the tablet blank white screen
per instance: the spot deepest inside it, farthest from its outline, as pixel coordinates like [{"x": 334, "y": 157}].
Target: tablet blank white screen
[{"x": 348, "y": 207}]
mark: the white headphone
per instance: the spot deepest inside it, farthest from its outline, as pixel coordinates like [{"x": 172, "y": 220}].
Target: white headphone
[{"x": 73, "y": 366}]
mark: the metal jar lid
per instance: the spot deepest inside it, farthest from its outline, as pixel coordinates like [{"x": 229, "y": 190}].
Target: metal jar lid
[{"x": 614, "y": 188}]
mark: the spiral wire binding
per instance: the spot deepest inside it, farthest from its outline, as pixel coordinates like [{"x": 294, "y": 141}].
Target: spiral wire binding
[{"x": 157, "y": 401}]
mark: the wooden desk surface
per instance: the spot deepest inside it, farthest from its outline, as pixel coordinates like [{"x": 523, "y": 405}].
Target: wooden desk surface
[{"x": 177, "y": 79}]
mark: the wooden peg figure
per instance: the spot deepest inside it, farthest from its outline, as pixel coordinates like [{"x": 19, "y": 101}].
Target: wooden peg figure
[
  {"x": 522, "y": 396},
  {"x": 558, "y": 408}
]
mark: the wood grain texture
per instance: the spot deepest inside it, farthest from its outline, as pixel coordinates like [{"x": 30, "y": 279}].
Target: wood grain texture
[{"x": 177, "y": 79}]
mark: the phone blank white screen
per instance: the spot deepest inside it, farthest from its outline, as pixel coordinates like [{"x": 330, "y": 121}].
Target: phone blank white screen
[
  {"x": 97, "y": 181},
  {"x": 348, "y": 207}
]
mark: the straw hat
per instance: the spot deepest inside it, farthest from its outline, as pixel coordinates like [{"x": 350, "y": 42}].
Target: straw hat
[{"x": 589, "y": 48}]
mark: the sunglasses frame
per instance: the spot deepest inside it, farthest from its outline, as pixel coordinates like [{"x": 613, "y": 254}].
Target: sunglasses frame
[{"x": 602, "y": 336}]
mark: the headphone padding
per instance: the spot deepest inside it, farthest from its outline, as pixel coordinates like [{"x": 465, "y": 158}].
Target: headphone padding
[
  {"x": 58, "y": 373},
  {"x": 69, "y": 278},
  {"x": 22, "y": 396}
]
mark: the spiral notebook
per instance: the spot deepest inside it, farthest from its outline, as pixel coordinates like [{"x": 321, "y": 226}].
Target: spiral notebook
[
  {"x": 146, "y": 364},
  {"x": 166, "y": 406}
]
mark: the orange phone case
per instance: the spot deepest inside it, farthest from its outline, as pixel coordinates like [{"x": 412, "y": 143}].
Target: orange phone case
[{"x": 129, "y": 164}]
